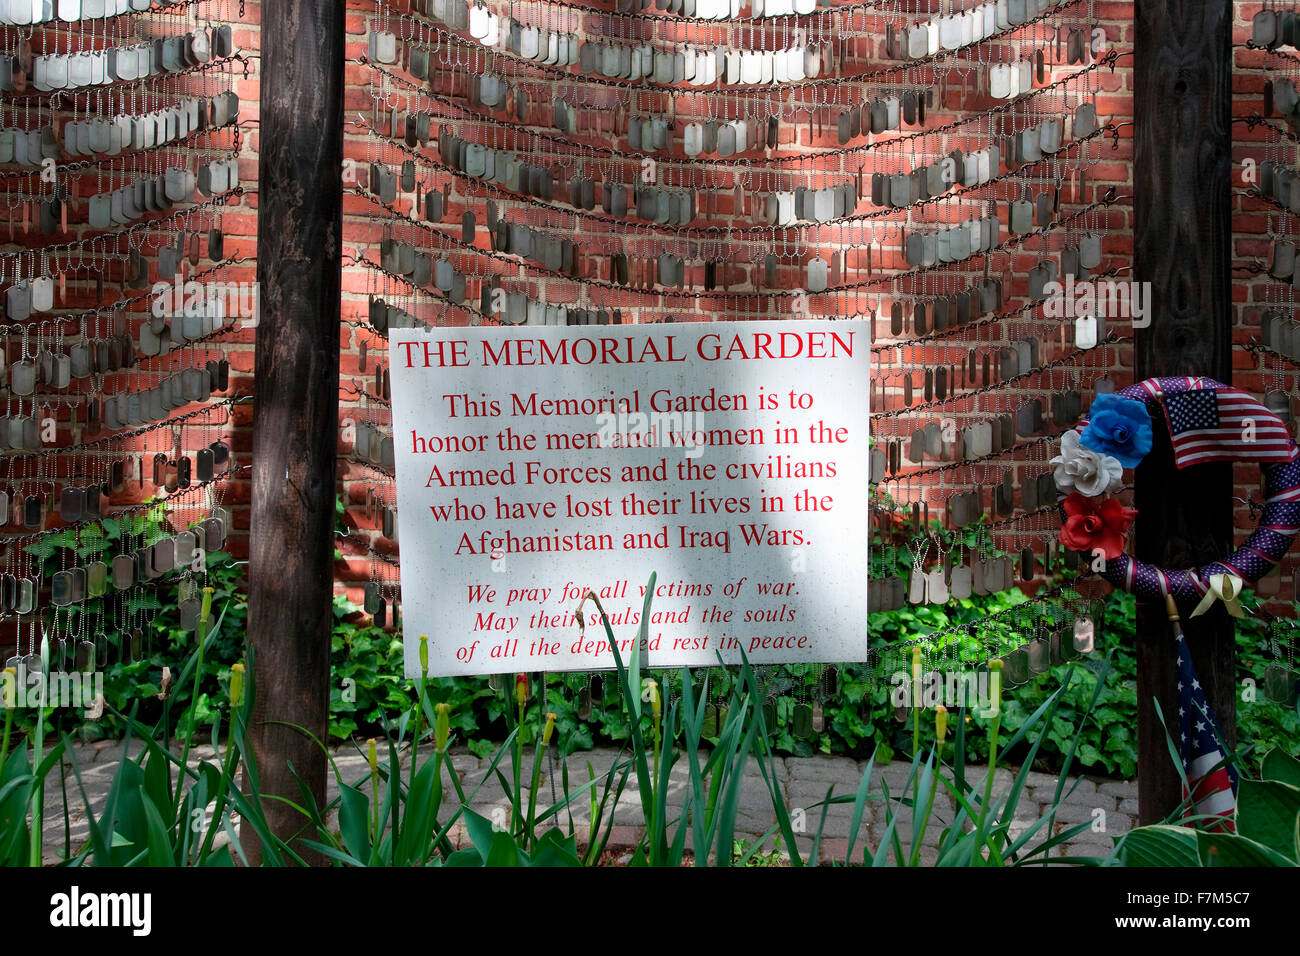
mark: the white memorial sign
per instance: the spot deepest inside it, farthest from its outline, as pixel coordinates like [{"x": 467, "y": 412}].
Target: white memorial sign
[{"x": 535, "y": 463}]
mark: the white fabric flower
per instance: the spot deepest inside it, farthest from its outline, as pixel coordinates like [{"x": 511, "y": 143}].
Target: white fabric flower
[{"x": 1085, "y": 471}]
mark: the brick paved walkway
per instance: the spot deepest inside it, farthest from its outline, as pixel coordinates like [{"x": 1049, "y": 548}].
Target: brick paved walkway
[{"x": 1110, "y": 804}]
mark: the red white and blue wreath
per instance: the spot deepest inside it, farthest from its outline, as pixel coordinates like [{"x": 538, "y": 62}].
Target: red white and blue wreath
[{"x": 1207, "y": 421}]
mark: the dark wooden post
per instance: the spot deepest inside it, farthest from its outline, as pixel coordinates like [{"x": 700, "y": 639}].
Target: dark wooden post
[
  {"x": 1182, "y": 245},
  {"x": 299, "y": 252}
]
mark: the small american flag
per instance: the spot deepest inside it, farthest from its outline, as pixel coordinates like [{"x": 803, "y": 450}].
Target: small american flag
[
  {"x": 1213, "y": 422},
  {"x": 1213, "y": 783}
]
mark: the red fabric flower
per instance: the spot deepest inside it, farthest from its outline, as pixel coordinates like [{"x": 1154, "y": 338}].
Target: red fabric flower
[{"x": 1091, "y": 525}]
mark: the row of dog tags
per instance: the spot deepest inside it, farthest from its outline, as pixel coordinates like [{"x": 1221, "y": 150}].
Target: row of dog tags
[
  {"x": 24, "y": 12},
  {"x": 77, "y": 504},
  {"x": 1028, "y": 211},
  {"x": 384, "y": 316},
  {"x": 402, "y": 258},
  {"x": 786, "y": 207},
  {"x": 1036, "y": 491},
  {"x": 953, "y": 244},
  {"x": 704, "y": 66},
  {"x": 882, "y": 114},
  {"x": 1281, "y": 684},
  {"x": 96, "y": 136},
  {"x": 1274, "y": 27},
  {"x": 163, "y": 55},
  {"x": 944, "y": 312},
  {"x": 374, "y": 505},
  {"x": 534, "y": 245},
  {"x": 982, "y": 366},
  {"x": 1009, "y": 80},
  {"x": 1280, "y": 96},
  {"x": 696, "y": 66},
  {"x": 937, "y": 586},
  {"x": 179, "y": 472},
  {"x": 414, "y": 129},
  {"x": 161, "y": 332},
  {"x": 174, "y": 553},
  {"x": 382, "y": 609},
  {"x": 28, "y": 147},
  {"x": 123, "y": 409},
  {"x": 69, "y": 654},
  {"x": 717, "y": 138},
  {"x": 972, "y": 442},
  {"x": 461, "y": 15},
  {"x": 155, "y": 194},
  {"x": 56, "y": 369},
  {"x": 374, "y": 446},
  {"x": 19, "y": 595},
  {"x": 384, "y": 516},
  {"x": 1282, "y": 335},
  {"x": 1280, "y": 182},
  {"x": 959, "y": 29},
  {"x": 20, "y": 433},
  {"x": 497, "y": 166},
  {"x": 721, "y": 9},
  {"x": 1059, "y": 647},
  {"x": 518, "y": 308}
]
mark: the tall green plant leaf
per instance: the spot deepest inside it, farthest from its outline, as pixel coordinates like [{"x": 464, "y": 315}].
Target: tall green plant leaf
[
  {"x": 1267, "y": 812},
  {"x": 1160, "y": 845}
]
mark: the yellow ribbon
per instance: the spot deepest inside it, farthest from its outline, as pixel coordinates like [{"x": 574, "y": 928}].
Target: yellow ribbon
[{"x": 1225, "y": 588}]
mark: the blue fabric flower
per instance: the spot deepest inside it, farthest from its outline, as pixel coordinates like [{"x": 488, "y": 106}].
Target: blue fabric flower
[{"x": 1119, "y": 427}]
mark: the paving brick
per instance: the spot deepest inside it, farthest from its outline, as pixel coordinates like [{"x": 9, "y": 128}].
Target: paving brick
[
  {"x": 1080, "y": 785},
  {"x": 803, "y": 782},
  {"x": 805, "y": 792},
  {"x": 755, "y": 821},
  {"x": 1119, "y": 788},
  {"x": 895, "y": 774},
  {"x": 777, "y": 768},
  {"x": 1090, "y": 802},
  {"x": 833, "y": 850},
  {"x": 1040, "y": 835},
  {"x": 1072, "y": 813},
  {"x": 839, "y": 770},
  {"x": 600, "y": 760},
  {"x": 629, "y": 812},
  {"x": 1036, "y": 779},
  {"x": 1088, "y": 844},
  {"x": 625, "y": 837},
  {"x": 1119, "y": 823},
  {"x": 929, "y": 838}
]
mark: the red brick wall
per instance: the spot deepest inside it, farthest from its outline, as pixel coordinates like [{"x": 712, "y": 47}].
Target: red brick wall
[
  {"x": 1253, "y": 217},
  {"x": 815, "y": 158},
  {"x": 92, "y": 283},
  {"x": 959, "y": 99}
]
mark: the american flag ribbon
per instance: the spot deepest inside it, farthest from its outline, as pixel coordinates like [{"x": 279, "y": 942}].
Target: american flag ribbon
[
  {"x": 1211, "y": 781},
  {"x": 1209, "y": 421},
  {"x": 1271, "y": 448}
]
